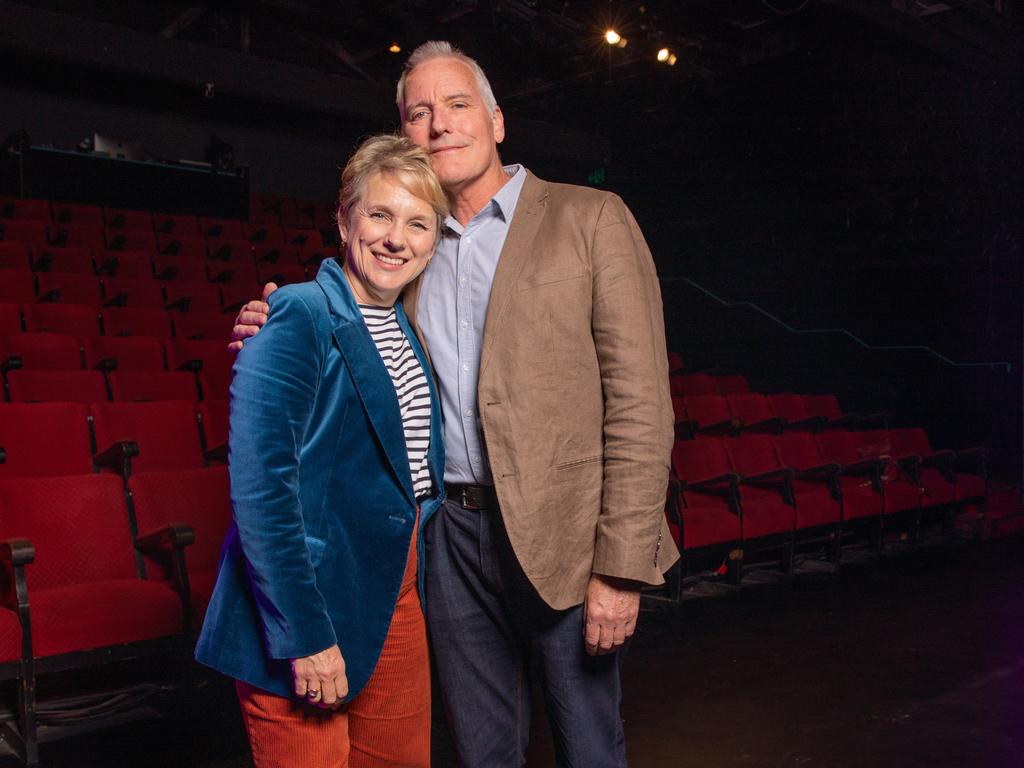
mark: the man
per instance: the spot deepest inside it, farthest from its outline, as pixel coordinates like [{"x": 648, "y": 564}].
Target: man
[{"x": 542, "y": 316}]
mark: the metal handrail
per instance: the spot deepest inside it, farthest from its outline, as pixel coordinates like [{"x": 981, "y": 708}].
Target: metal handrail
[{"x": 840, "y": 331}]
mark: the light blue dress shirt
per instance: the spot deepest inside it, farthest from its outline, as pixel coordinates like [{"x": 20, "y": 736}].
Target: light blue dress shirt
[{"x": 451, "y": 311}]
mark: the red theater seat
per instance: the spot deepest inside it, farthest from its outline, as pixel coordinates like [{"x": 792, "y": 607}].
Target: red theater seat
[
  {"x": 77, "y": 213},
  {"x": 130, "y": 239},
  {"x": 221, "y": 229},
  {"x": 69, "y": 261},
  {"x": 183, "y": 246},
  {"x": 124, "y": 218},
  {"x": 31, "y": 233},
  {"x": 141, "y": 293},
  {"x": 710, "y": 507},
  {"x": 131, "y": 264},
  {"x": 214, "y": 326},
  {"x": 312, "y": 254},
  {"x": 17, "y": 286},
  {"x": 230, "y": 250},
  {"x": 282, "y": 274},
  {"x": 694, "y": 384},
  {"x": 792, "y": 410},
  {"x": 965, "y": 470},
  {"x": 214, "y": 417},
  {"x": 62, "y": 318},
  {"x": 69, "y": 289},
  {"x": 144, "y": 386},
  {"x": 675, "y": 362},
  {"x": 232, "y": 272},
  {"x": 766, "y": 490},
  {"x": 192, "y": 296},
  {"x": 41, "y": 351},
  {"x": 10, "y": 318},
  {"x": 177, "y": 225},
  {"x": 14, "y": 255},
  {"x": 303, "y": 237},
  {"x": 276, "y": 254},
  {"x": 24, "y": 208},
  {"x": 210, "y": 358},
  {"x": 44, "y": 439},
  {"x": 711, "y": 414},
  {"x": 173, "y": 267},
  {"x": 31, "y": 386},
  {"x": 77, "y": 235},
  {"x": 167, "y": 433},
  {"x": 198, "y": 498},
  {"x": 123, "y": 353},
  {"x": 136, "y": 322},
  {"x": 754, "y": 413},
  {"x": 265, "y": 234},
  {"x": 732, "y": 385}
]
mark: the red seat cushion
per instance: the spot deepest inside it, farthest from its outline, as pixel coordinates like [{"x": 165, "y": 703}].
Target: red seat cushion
[{"x": 83, "y": 616}]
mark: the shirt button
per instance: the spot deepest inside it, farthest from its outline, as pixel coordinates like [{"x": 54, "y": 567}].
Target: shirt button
[
  {"x": 476, "y": 459},
  {"x": 468, "y": 412},
  {"x": 469, "y": 240},
  {"x": 464, "y": 323},
  {"x": 465, "y": 367},
  {"x": 462, "y": 281}
]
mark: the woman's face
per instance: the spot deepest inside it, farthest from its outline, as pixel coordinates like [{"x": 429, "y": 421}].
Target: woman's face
[{"x": 390, "y": 235}]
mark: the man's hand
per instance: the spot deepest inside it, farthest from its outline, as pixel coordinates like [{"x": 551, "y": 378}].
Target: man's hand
[
  {"x": 251, "y": 318},
  {"x": 320, "y": 678},
  {"x": 609, "y": 613}
]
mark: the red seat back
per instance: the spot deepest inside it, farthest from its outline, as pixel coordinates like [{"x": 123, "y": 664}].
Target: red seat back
[
  {"x": 128, "y": 321},
  {"x": 788, "y": 406},
  {"x": 750, "y": 408},
  {"x": 166, "y": 431},
  {"x": 732, "y": 385},
  {"x": 44, "y": 439},
  {"x": 17, "y": 285},
  {"x": 707, "y": 409},
  {"x": 62, "y": 318},
  {"x": 143, "y": 386},
  {"x": 42, "y": 351},
  {"x": 131, "y": 353},
  {"x": 822, "y": 405},
  {"x": 71, "y": 288},
  {"x": 78, "y": 524},
  {"x": 52, "y": 386},
  {"x": 798, "y": 450},
  {"x": 693, "y": 384}
]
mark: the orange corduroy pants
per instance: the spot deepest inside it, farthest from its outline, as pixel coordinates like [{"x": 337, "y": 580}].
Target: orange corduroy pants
[{"x": 386, "y": 726}]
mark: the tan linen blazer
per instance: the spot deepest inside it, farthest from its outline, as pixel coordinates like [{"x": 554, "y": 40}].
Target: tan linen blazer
[{"x": 573, "y": 393}]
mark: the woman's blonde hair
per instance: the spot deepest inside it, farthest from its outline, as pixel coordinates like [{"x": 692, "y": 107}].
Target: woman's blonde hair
[{"x": 398, "y": 158}]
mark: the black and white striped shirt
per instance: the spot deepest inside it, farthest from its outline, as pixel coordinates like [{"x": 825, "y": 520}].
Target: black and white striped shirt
[{"x": 410, "y": 386}]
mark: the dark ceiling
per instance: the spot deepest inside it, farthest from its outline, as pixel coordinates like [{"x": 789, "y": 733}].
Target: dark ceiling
[{"x": 548, "y": 60}]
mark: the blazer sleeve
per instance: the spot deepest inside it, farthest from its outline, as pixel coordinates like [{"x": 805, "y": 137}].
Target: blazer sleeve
[
  {"x": 629, "y": 335},
  {"x": 272, "y": 395}
]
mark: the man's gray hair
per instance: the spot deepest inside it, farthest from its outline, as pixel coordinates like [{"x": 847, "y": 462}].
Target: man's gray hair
[{"x": 442, "y": 49}]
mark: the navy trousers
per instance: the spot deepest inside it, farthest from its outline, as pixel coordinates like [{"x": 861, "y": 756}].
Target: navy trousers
[{"x": 488, "y": 628}]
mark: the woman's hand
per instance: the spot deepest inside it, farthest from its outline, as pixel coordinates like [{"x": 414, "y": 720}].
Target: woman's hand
[{"x": 320, "y": 678}]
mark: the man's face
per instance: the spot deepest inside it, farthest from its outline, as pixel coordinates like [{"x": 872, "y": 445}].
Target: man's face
[{"x": 445, "y": 113}]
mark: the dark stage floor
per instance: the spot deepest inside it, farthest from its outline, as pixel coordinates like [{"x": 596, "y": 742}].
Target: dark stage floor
[{"x": 914, "y": 661}]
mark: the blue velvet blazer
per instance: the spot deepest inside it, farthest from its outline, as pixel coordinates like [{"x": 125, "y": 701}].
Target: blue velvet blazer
[{"x": 321, "y": 489}]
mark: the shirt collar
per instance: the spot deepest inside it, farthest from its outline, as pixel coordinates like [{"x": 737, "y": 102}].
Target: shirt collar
[{"x": 503, "y": 204}]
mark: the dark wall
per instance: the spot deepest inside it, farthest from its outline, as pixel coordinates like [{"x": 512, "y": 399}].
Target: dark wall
[{"x": 860, "y": 183}]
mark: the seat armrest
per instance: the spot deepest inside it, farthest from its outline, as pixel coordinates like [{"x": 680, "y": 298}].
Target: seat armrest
[
  {"x": 50, "y": 297},
  {"x": 218, "y": 453},
  {"x": 181, "y": 305},
  {"x": 3, "y": 455},
  {"x": 174, "y": 534},
  {"x": 871, "y": 467},
  {"x": 191, "y": 365},
  {"x": 118, "y": 457},
  {"x": 783, "y": 475},
  {"x": 106, "y": 365},
  {"x": 17, "y": 551},
  {"x": 846, "y": 421},
  {"x": 686, "y": 430},
  {"x": 729, "y": 478},
  {"x": 12, "y": 363},
  {"x": 121, "y": 300},
  {"x": 772, "y": 426}
]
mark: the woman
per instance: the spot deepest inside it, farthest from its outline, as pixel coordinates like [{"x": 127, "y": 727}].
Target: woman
[{"x": 335, "y": 463}]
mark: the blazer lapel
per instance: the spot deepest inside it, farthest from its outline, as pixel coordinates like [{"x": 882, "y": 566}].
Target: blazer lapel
[
  {"x": 371, "y": 378},
  {"x": 519, "y": 248}
]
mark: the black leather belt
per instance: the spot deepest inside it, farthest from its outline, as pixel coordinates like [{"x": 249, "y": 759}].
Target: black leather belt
[{"x": 472, "y": 496}]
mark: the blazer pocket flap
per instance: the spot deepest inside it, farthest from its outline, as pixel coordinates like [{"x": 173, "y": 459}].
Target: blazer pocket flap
[{"x": 546, "y": 277}]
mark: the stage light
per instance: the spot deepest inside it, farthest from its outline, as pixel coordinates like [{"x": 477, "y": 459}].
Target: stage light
[
  {"x": 613, "y": 37},
  {"x": 395, "y": 48},
  {"x": 665, "y": 56}
]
